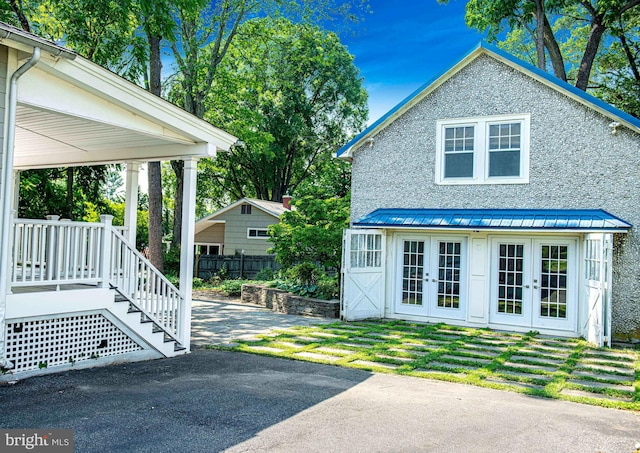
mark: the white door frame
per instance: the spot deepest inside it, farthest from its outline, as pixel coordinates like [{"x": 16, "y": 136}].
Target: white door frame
[
  {"x": 516, "y": 319},
  {"x": 570, "y": 322},
  {"x": 531, "y": 291},
  {"x": 429, "y": 279},
  {"x": 422, "y": 280},
  {"x": 459, "y": 313}
]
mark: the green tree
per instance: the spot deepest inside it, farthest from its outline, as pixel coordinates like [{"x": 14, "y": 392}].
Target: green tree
[
  {"x": 292, "y": 92},
  {"x": 204, "y": 36},
  {"x": 600, "y": 18},
  {"x": 50, "y": 191},
  {"x": 93, "y": 212},
  {"x": 311, "y": 233}
]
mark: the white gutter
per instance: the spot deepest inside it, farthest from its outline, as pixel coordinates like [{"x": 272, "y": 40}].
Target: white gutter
[
  {"x": 7, "y": 199},
  {"x": 23, "y": 37}
]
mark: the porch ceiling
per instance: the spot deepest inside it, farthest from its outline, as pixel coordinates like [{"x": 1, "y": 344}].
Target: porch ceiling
[
  {"x": 76, "y": 113},
  {"x": 46, "y": 138}
]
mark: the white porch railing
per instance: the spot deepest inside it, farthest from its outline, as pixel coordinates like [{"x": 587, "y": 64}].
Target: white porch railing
[
  {"x": 59, "y": 252},
  {"x": 54, "y": 252},
  {"x": 145, "y": 286}
]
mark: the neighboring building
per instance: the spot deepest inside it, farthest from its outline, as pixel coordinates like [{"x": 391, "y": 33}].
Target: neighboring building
[
  {"x": 77, "y": 294},
  {"x": 239, "y": 228},
  {"x": 497, "y": 196}
]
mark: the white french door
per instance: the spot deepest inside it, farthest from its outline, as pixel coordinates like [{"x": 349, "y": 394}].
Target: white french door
[
  {"x": 534, "y": 283},
  {"x": 431, "y": 276},
  {"x": 413, "y": 276}
]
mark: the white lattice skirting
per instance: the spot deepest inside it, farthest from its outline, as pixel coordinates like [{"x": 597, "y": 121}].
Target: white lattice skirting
[{"x": 42, "y": 343}]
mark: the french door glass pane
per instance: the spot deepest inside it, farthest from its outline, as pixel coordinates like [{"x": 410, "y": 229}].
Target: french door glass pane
[
  {"x": 510, "y": 268},
  {"x": 449, "y": 274},
  {"x": 553, "y": 281},
  {"x": 412, "y": 272}
]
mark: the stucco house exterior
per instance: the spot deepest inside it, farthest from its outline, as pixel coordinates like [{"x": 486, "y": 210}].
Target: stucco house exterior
[
  {"x": 77, "y": 294},
  {"x": 512, "y": 204},
  {"x": 240, "y": 227}
]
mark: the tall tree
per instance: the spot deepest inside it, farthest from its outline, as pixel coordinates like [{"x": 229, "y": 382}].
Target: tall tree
[
  {"x": 204, "y": 36},
  {"x": 293, "y": 93},
  {"x": 600, "y": 16},
  {"x": 157, "y": 22},
  {"x": 51, "y": 191}
]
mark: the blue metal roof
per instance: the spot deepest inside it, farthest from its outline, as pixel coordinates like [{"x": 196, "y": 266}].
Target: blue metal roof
[
  {"x": 523, "y": 66},
  {"x": 495, "y": 219}
]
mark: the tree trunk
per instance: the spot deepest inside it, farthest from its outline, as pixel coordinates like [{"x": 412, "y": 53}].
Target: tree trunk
[
  {"x": 17, "y": 9},
  {"x": 540, "y": 18},
  {"x": 557, "y": 61},
  {"x": 154, "y": 173},
  {"x": 70, "y": 193},
  {"x": 590, "y": 52},
  {"x": 178, "y": 169}
]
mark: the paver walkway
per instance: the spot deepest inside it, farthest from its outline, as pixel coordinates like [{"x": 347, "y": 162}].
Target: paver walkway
[
  {"x": 527, "y": 363},
  {"x": 218, "y": 323}
]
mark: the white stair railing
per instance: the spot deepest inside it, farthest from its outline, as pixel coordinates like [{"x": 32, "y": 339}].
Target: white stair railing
[
  {"x": 54, "y": 252},
  {"x": 145, "y": 286},
  {"x": 61, "y": 252}
]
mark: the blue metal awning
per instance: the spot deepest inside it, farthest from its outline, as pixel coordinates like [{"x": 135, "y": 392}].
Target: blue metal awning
[{"x": 495, "y": 219}]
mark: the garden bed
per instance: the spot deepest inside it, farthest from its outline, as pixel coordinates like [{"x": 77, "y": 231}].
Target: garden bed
[{"x": 283, "y": 302}]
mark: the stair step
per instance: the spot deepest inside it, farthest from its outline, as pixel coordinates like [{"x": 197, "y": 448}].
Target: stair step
[
  {"x": 120, "y": 298},
  {"x": 133, "y": 310},
  {"x": 178, "y": 348}
]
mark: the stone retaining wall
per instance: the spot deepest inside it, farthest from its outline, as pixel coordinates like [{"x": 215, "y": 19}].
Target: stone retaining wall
[{"x": 284, "y": 302}]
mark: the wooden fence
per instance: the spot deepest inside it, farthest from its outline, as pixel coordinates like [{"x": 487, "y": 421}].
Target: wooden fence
[{"x": 237, "y": 266}]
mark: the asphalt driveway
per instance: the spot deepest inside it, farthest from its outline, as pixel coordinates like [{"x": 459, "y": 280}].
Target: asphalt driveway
[{"x": 216, "y": 400}]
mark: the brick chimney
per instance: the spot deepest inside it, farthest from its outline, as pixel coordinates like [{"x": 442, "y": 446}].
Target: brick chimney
[{"x": 286, "y": 202}]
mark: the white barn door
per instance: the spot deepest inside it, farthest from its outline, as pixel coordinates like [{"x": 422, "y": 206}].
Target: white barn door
[
  {"x": 596, "y": 323},
  {"x": 363, "y": 264}
]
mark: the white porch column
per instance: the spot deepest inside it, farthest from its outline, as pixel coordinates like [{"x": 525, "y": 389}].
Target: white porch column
[
  {"x": 105, "y": 250},
  {"x": 186, "y": 247},
  {"x": 131, "y": 201}
]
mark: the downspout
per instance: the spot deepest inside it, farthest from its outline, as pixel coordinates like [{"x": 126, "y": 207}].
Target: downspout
[{"x": 7, "y": 199}]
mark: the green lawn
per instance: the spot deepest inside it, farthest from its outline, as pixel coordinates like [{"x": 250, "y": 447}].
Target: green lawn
[{"x": 567, "y": 369}]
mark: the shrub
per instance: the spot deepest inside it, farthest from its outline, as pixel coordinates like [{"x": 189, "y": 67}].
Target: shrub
[
  {"x": 232, "y": 287},
  {"x": 198, "y": 283},
  {"x": 309, "y": 280},
  {"x": 305, "y": 274},
  {"x": 266, "y": 274}
]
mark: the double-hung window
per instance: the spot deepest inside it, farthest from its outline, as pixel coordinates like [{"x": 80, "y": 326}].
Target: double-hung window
[{"x": 487, "y": 150}]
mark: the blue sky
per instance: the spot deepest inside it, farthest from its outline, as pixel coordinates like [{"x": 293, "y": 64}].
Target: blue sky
[{"x": 404, "y": 43}]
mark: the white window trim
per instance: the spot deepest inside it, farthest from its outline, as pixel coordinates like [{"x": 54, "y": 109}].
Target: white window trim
[
  {"x": 481, "y": 150},
  {"x": 256, "y": 236}
]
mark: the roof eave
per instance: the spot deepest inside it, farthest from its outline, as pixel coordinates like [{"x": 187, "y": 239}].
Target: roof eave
[
  {"x": 235, "y": 204},
  {"x": 406, "y": 104},
  {"x": 7, "y": 32},
  {"x": 199, "y": 128},
  {"x": 543, "y": 77}
]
